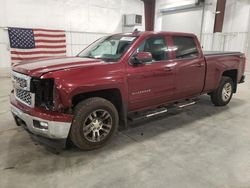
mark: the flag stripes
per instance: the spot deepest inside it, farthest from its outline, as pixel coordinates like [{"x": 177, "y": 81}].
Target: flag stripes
[{"x": 32, "y": 44}]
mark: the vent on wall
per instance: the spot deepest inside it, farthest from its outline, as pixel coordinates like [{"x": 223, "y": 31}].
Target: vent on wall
[{"x": 132, "y": 20}]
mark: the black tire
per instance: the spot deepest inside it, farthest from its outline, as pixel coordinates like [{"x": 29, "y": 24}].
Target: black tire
[
  {"x": 82, "y": 113},
  {"x": 217, "y": 97}
]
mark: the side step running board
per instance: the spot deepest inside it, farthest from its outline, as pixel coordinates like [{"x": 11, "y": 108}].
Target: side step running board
[
  {"x": 156, "y": 113},
  {"x": 188, "y": 104},
  {"x": 151, "y": 113}
]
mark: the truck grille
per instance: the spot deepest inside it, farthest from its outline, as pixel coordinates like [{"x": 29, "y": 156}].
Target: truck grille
[
  {"x": 24, "y": 96},
  {"x": 21, "y": 84},
  {"x": 20, "y": 81}
]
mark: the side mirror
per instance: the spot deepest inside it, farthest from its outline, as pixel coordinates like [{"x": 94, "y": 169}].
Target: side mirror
[{"x": 142, "y": 57}]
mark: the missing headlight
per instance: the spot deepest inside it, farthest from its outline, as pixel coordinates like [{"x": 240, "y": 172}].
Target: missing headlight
[{"x": 43, "y": 89}]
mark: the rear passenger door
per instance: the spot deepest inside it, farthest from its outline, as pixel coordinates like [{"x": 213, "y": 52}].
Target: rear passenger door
[{"x": 190, "y": 66}]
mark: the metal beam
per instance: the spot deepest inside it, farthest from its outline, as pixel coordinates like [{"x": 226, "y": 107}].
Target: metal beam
[
  {"x": 219, "y": 17},
  {"x": 149, "y": 9}
]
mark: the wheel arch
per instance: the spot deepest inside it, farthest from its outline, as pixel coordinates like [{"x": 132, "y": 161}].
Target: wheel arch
[
  {"x": 113, "y": 95},
  {"x": 233, "y": 73}
]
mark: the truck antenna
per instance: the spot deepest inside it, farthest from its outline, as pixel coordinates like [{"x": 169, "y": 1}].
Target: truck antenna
[{"x": 136, "y": 30}]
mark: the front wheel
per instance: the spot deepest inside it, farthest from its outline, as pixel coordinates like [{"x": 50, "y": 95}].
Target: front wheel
[
  {"x": 223, "y": 94},
  {"x": 95, "y": 122}
]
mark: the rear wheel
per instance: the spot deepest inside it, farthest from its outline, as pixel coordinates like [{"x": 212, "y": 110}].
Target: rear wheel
[
  {"x": 223, "y": 94},
  {"x": 95, "y": 122}
]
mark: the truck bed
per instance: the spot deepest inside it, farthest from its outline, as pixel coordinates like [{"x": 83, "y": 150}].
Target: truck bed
[{"x": 226, "y": 61}]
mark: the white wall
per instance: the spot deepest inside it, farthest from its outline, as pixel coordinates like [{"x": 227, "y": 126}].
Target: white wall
[
  {"x": 236, "y": 23},
  {"x": 84, "y": 20},
  {"x": 188, "y": 21},
  {"x": 248, "y": 49},
  {"x": 235, "y": 34},
  {"x": 236, "y": 16},
  {"x": 209, "y": 16},
  {"x": 208, "y": 24}
]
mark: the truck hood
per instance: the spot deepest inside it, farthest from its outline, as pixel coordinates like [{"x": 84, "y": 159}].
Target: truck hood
[{"x": 42, "y": 66}]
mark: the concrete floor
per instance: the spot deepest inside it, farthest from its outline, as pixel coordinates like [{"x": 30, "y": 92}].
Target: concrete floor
[{"x": 201, "y": 146}]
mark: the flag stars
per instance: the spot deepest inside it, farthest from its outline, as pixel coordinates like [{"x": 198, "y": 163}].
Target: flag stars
[{"x": 21, "y": 38}]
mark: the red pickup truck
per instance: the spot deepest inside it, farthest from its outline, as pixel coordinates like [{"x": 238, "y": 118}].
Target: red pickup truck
[{"x": 85, "y": 98}]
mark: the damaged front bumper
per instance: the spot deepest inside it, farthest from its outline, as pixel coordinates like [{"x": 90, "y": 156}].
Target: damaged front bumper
[{"x": 50, "y": 128}]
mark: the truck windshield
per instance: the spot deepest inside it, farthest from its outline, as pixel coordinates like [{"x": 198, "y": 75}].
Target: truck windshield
[{"x": 108, "y": 48}]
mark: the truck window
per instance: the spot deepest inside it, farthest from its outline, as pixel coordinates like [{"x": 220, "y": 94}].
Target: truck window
[
  {"x": 185, "y": 47},
  {"x": 156, "y": 46}
]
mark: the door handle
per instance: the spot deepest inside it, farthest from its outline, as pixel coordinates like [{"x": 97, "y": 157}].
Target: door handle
[
  {"x": 170, "y": 67},
  {"x": 198, "y": 65}
]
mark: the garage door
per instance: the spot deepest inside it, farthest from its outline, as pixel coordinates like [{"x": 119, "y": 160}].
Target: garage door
[{"x": 188, "y": 21}]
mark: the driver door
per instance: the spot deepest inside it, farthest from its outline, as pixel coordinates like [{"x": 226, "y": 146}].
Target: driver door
[{"x": 151, "y": 83}]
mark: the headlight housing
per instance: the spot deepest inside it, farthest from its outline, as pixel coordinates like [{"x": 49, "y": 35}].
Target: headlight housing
[{"x": 44, "y": 92}]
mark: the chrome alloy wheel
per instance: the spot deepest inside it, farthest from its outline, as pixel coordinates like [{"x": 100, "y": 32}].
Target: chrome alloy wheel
[
  {"x": 227, "y": 92},
  {"x": 97, "y": 125}
]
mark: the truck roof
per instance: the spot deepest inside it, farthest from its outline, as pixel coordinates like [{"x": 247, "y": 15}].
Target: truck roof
[{"x": 147, "y": 33}]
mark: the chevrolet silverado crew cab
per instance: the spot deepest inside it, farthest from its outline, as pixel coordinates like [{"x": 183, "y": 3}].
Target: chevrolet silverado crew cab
[{"x": 85, "y": 98}]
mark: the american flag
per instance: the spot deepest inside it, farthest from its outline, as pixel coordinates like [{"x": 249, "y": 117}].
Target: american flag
[{"x": 32, "y": 44}]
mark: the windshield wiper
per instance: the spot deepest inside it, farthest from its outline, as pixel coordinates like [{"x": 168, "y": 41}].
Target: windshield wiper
[
  {"x": 88, "y": 56},
  {"x": 102, "y": 58}
]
